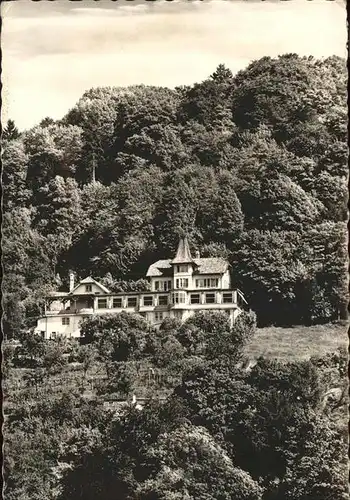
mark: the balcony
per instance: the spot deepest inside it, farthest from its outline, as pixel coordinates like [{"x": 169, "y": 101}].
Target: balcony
[
  {"x": 195, "y": 299},
  {"x": 52, "y": 313},
  {"x": 71, "y": 310}
]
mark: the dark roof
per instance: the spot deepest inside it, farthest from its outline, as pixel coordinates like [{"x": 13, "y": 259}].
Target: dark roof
[
  {"x": 208, "y": 265},
  {"x": 183, "y": 254}
]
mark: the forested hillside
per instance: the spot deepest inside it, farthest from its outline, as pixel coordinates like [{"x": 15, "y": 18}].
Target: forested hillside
[
  {"x": 213, "y": 424},
  {"x": 251, "y": 166}
]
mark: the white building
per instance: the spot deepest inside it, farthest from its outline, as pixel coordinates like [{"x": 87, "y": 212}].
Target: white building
[{"x": 178, "y": 288}]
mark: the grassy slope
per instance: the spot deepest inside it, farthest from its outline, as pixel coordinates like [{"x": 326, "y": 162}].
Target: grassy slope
[{"x": 296, "y": 343}]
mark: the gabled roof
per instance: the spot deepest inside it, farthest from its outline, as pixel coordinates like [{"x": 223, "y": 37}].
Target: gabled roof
[
  {"x": 87, "y": 281},
  {"x": 206, "y": 265},
  {"x": 211, "y": 265},
  {"x": 160, "y": 268},
  {"x": 183, "y": 254}
]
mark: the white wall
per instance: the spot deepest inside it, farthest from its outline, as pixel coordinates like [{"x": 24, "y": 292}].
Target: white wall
[
  {"x": 226, "y": 280},
  {"x": 51, "y": 324}
]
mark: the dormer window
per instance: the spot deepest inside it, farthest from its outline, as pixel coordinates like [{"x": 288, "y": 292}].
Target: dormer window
[{"x": 88, "y": 288}]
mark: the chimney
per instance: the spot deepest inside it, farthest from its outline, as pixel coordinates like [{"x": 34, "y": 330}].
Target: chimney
[
  {"x": 71, "y": 281},
  {"x": 198, "y": 255}
]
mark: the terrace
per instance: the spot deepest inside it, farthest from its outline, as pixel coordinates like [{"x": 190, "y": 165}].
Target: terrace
[{"x": 140, "y": 302}]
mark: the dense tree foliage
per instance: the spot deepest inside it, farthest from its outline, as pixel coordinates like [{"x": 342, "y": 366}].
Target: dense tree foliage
[
  {"x": 252, "y": 166},
  {"x": 119, "y": 337},
  {"x": 223, "y": 429}
]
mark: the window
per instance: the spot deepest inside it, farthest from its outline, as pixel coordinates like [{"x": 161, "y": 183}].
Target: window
[
  {"x": 162, "y": 286},
  {"x": 163, "y": 300},
  {"x": 102, "y": 304},
  {"x": 210, "y": 298},
  {"x": 132, "y": 301},
  {"x": 166, "y": 286},
  {"x": 148, "y": 300},
  {"x": 181, "y": 269},
  {"x": 182, "y": 283},
  {"x": 195, "y": 298},
  {"x": 179, "y": 298},
  {"x": 158, "y": 316},
  {"x": 117, "y": 302},
  {"x": 178, "y": 314},
  {"x": 227, "y": 298},
  {"x": 207, "y": 283},
  {"x": 88, "y": 288},
  {"x": 65, "y": 321}
]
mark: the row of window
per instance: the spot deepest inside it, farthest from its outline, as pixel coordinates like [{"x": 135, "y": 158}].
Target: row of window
[
  {"x": 183, "y": 283},
  {"x": 148, "y": 300},
  {"x": 209, "y": 298},
  {"x": 177, "y": 298},
  {"x": 195, "y": 298},
  {"x": 207, "y": 283},
  {"x": 179, "y": 283},
  {"x": 117, "y": 302}
]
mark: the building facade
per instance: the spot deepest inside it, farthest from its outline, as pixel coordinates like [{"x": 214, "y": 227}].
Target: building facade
[{"x": 178, "y": 288}]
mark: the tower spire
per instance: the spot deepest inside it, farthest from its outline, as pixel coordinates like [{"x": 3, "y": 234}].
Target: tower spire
[{"x": 183, "y": 254}]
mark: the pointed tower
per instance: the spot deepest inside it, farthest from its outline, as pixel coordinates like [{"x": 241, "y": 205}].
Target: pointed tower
[
  {"x": 183, "y": 254},
  {"x": 183, "y": 265}
]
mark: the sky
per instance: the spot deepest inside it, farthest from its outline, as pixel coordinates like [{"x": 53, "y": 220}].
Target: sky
[{"x": 53, "y": 51}]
